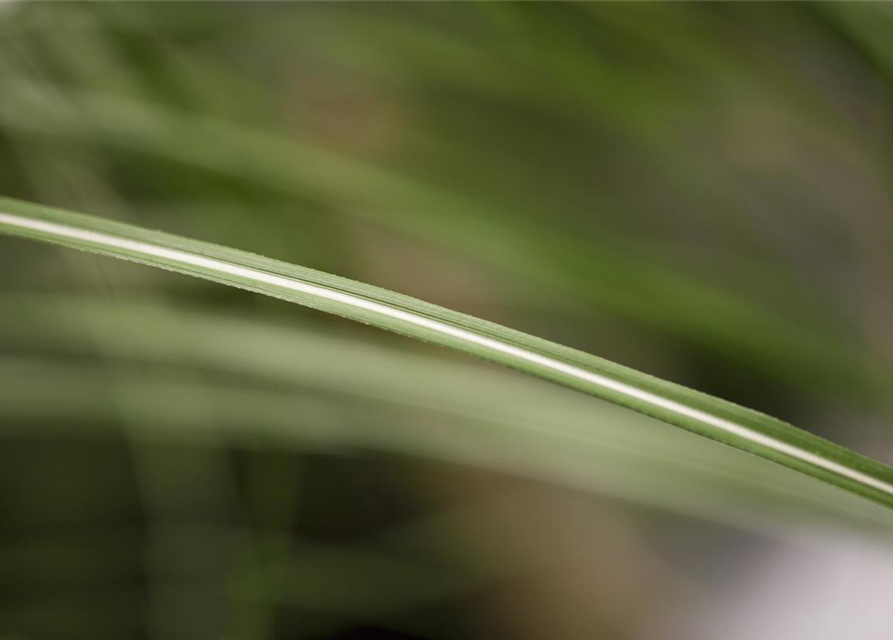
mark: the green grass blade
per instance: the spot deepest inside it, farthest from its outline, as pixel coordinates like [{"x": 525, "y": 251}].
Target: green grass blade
[{"x": 697, "y": 412}]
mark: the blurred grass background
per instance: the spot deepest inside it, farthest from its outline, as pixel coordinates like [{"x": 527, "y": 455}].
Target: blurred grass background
[{"x": 699, "y": 191}]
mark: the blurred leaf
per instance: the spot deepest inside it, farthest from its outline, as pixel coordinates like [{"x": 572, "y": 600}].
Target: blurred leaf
[
  {"x": 607, "y": 273},
  {"x": 357, "y": 395}
]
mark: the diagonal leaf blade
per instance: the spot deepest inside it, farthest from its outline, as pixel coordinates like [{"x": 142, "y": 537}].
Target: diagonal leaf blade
[{"x": 700, "y": 413}]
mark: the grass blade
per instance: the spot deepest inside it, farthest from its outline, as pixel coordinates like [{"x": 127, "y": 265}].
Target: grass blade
[{"x": 697, "y": 412}]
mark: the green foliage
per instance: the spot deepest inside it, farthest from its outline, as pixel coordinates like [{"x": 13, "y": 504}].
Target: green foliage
[
  {"x": 697, "y": 412},
  {"x": 697, "y": 191}
]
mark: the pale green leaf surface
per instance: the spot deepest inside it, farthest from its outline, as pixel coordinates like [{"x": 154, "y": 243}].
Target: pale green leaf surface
[
  {"x": 686, "y": 408},
  {"x": 348, "y": 394}
]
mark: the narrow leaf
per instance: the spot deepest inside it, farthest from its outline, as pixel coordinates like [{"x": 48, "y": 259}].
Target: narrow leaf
[{"x": 711, "y": 417}]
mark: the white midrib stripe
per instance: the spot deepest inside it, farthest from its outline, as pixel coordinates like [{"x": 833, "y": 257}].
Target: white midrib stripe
[{"x": 63, "y": 231}]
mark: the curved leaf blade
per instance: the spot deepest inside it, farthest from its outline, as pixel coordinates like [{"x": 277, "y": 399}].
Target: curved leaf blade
[{"x": 700, "y": 413}]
